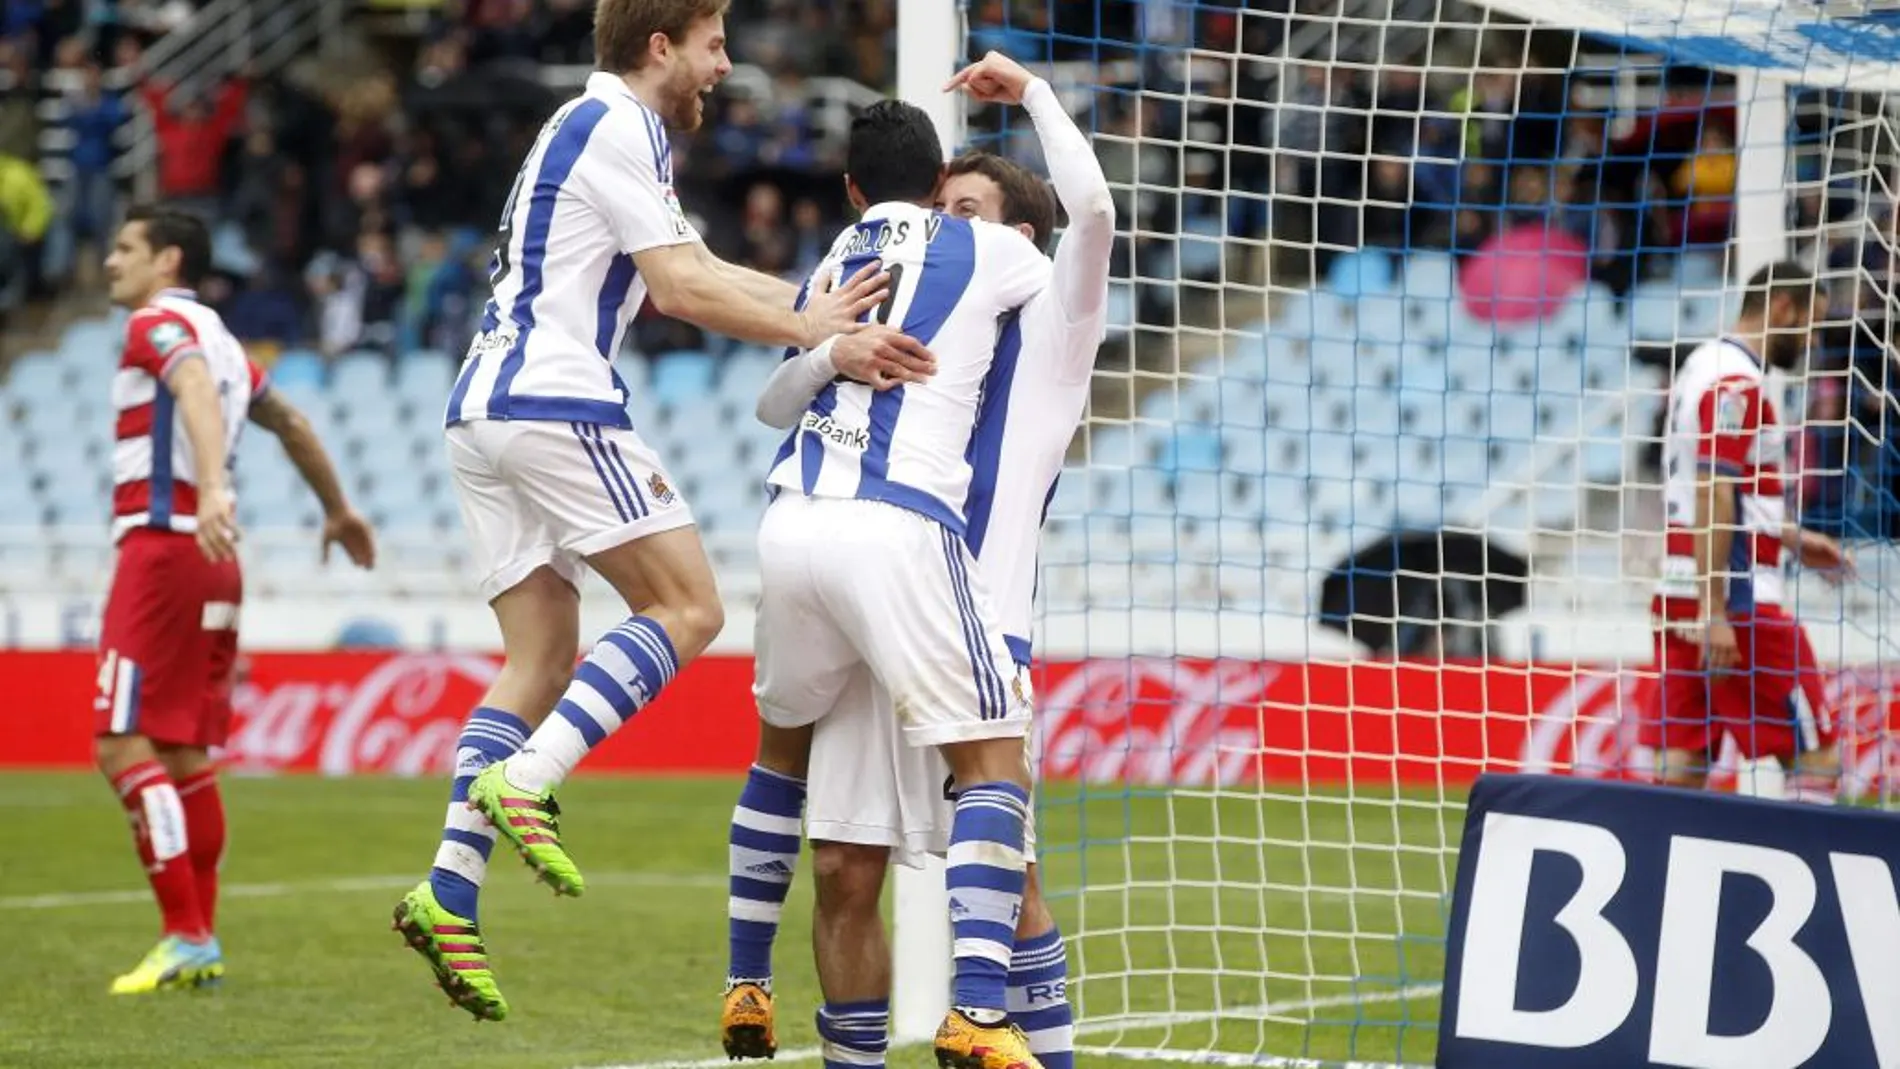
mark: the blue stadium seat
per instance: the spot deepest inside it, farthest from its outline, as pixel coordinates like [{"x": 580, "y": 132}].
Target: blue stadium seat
[
  {"x": 1242, "y": 403},
  {"x": 1192, "y": 448},
  {"x": 1429, "y": 275},
  {"x": 425, "y": 378},
  {"x": 1655, "y": 308},
  {"x": 36, "y": 377},
  {"x": 297, "y": 369},
  {"x": 92, "y": 341},
  {"x": 1197, "y": 495},
  {"x": 681, "y": 375},
  {"x": 1200, "y": 246},
  {"x": 358, "y": 376}
]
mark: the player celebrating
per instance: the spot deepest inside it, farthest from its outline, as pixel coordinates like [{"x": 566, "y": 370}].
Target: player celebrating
[
  {"x": 871, "y": 793},
  {"x": 1731, "y": 658},
  {"x": 168, "y": 639},
  {"x": 550, "y": 472},
  {"x": 864, "y": 567}
]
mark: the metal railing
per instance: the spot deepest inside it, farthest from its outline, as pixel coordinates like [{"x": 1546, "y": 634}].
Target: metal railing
[{"x": 220, "y": 39}]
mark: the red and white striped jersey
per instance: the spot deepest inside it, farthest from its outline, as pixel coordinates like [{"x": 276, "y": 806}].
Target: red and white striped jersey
[
  {"x": 152, "y": 464},
  {"x": 1722, "y": 419}
]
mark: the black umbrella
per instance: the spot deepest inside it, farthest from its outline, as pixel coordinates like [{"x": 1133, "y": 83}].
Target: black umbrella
[{"x": 1398, "y": 595}]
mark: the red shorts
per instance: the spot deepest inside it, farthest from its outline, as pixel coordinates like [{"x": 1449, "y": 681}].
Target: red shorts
[
  {"x": 1773, "y": 702},
  {"x": 168, "y": 642}
]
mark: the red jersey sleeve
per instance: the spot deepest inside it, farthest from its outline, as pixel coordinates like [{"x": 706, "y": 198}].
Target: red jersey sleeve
[
  {"x": 1728, "y": 417},
  {"x": 156, "y": 339}
]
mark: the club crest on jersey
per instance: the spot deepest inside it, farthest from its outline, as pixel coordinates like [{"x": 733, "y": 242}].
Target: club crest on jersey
[
  {"x": 1731, "y": 411},
  {"x": 656, "y": 485},
  {"x": 167, "y": 335}
]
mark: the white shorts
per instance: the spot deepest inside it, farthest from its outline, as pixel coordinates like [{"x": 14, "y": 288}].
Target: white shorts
[
  {"x": 846, "y": 584},
  {"x": 865, "y": 786},
  {"x": 539, "y": 493}
]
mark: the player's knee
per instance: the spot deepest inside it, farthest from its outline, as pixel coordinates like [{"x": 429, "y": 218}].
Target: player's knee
[
  {"x": 850, "y": 876},
  {"x": 114, "y": 754},
  {"x": 699, "y": 620}
]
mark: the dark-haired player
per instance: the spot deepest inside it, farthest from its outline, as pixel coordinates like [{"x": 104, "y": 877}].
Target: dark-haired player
[{"x": 168, "y": 640}]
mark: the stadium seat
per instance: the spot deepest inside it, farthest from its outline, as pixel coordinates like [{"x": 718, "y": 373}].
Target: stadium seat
[
  {"x": 424, "y": 378},
  {"x": 681, "y": 375},
  {"x": 1431, "y": 276},
  {"x": 1242, "y": 403},
  {"x": 296, "y": 370},
  {"x": 35, "y": 378},
  {"x": 1192, "y": 447},
  {"x": 92, "y": 341},
  {"x": 359, "y": 376}
]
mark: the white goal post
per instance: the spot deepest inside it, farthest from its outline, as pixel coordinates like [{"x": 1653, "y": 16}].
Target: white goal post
[{"x": 1251, "y": 865}]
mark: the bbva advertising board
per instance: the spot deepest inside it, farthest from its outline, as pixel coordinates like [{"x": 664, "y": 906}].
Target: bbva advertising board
[{"x": 1605, "y": 924}]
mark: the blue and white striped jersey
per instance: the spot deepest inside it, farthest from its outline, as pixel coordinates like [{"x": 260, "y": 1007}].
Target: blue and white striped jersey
[
  {"x": 952, "y": 280},
  {"x": 1033, "y": 397},
  {"x": 596, "y": 188}
]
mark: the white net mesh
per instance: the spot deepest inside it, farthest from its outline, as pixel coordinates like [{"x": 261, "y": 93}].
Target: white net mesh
[{"x": 1368, "y": 497}]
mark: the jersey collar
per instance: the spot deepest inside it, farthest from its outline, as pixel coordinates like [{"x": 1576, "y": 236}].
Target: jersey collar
[{"x": 1746, "y": 351}]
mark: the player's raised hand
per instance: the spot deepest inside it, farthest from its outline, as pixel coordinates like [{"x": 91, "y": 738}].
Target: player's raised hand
[
  {"x": 217, "y": 524},
  {"x": 833, "y": 309},
  {"x": 347, "y": 528},
  {"x": 882, "y": 357},
  {"x": 994, "y": 79}
]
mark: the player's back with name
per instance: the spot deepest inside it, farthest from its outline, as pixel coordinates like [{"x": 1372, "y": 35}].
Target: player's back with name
[{"x": 951, "y": 281}]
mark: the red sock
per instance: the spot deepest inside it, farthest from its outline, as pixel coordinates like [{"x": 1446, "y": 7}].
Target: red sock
[
  {"x": 204, "y": 823},
  {"x": 158, "y": 828}
]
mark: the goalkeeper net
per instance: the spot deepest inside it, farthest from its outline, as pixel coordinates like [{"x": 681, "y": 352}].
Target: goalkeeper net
[{"x": 1368, "y": 498}]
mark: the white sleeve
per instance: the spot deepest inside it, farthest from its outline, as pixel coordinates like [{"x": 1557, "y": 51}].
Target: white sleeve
[
  {"x": 794, "y": 384},
  {"x": 1012, "y": 266},
  {"x": 1081, "y": 269},
  {"x": 624, "y": 178}
]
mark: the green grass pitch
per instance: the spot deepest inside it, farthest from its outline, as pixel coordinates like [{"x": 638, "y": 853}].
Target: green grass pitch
[{"x": 1189, "y": 916}]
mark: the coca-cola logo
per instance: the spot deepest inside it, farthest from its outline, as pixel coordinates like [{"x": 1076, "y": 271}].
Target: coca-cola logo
[
  {"x": 401, "y": 716},
  {"x": 1153, "y": 721}
]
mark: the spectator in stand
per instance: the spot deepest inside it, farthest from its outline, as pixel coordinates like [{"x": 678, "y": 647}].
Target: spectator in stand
[
  {"x": 26, "y": 210},
  {"x": 88, "y": 199},
  {"x": 1705, "y": 186},
  {"x": 192, "y": 131},
  {"x": 19, "y": 101}
]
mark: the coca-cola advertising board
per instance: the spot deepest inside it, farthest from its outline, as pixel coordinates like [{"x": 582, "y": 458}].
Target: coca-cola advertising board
[{"x": 1149, "y": 721}]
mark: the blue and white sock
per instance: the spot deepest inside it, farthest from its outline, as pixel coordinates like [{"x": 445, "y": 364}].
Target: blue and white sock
[
  {"x": 852, "y": 1035},
  {"x": 462, "y": 859},
  {"x": 985, "y": 881},
  {"x": 763, "y": 857},
  {"x": 624, "y": 670},
  {"x": 1039, "y": 999}
]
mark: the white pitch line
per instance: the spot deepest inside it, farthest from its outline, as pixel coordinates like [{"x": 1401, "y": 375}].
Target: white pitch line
[
  {"x": 1147, "y": 1022},
  {"x": 344, "y": 885}
]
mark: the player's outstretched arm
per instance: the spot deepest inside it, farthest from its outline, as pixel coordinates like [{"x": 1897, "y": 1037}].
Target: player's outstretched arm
[
  {"x": 879, "y": 356},
  {"x": 1082, "y": 256},
  {"x": 341, "y": 524},
  {"x": 189, "y": 381},
  {"x": 688, "y": 282}
]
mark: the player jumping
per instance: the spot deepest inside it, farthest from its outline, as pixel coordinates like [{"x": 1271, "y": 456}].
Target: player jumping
[
  {"x": 168, "y": 639},
  {"x": 1731, "y": 658},
  {"x": 550, "y": 472},
  {"x": 871, "y": 794}
]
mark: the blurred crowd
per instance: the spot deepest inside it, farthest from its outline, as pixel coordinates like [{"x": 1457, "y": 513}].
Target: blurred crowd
[{"x": 357, "y": 211}]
